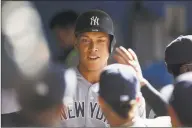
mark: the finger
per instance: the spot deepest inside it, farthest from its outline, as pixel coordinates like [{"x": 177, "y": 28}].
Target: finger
[
  {"x": 119, "y": 59},
  {"x": 119, "y": 52},
  {"x": 63, "y": 112},
  {"x": 126, "y": 53},
  {"x": 132, "y": 64},
  {"x": 134, "y": 56}
]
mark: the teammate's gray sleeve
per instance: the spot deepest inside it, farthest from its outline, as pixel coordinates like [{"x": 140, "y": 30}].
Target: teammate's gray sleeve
[
  {"x": 165, "y": 92},
  {"x": 163, "y": 121}
]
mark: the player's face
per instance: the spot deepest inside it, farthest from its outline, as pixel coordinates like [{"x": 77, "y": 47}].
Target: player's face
[
  {"x": 93, "y": 50},
  {"x": 65, "y": 36}
]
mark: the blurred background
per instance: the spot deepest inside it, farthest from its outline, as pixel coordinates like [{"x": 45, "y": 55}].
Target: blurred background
[{"x": 145, "y": 26}]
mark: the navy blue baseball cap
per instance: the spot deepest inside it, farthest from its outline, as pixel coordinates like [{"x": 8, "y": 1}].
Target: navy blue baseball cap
[
  {"x": 96, "y": 21},
  {"x": 181, "y": 99},
  {"x": 179, "y": 50},
  {"x": 118, "y": 87}
]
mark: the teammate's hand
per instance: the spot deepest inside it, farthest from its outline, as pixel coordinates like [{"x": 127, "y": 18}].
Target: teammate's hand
[
  {"x": 63, "y": 112},
  {"x": 128, "y": 57}
]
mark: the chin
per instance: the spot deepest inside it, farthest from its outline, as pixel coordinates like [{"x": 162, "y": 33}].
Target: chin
[
  {"x": 94, "y": 68},
  {"x": 94, "y": 65}
]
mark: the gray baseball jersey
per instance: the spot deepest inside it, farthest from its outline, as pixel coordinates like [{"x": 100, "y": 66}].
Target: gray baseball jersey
[
  {"x": 163, "y": 121},
  {"x": 85, "y": 110}
]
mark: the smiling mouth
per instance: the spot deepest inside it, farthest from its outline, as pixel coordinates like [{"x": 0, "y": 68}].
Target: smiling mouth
[{"x": 93, "y": 57}]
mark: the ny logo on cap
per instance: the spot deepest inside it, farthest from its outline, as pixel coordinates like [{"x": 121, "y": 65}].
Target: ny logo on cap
[{"x": 94, "y": 20}]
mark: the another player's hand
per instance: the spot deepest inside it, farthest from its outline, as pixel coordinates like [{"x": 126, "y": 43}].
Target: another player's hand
[
  {"x": 63, "y": 112},
  {"x": 128, "y": 57}
]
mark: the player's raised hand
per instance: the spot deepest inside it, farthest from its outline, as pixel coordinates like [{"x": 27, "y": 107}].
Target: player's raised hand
[{"x": 128, "y": 57}]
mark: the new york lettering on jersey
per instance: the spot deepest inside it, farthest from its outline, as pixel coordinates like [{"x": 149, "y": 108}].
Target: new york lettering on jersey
[
  {"x": 78, "y": 111},
  {"x": 85, "y": 110},
  {"x": 80, "y": 116}
]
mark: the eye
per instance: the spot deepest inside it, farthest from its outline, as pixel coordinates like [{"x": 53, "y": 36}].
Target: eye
[
  {"x": 101, "y": 40},
  {"x": 84, "y": 40}
]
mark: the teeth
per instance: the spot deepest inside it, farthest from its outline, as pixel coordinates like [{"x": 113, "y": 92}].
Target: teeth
[{"x": 93, "y": 57}]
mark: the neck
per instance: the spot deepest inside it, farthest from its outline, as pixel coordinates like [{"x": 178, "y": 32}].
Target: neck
[{"x": 91, "y": 76}]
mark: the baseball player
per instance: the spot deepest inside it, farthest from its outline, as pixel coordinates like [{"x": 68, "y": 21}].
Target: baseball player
[
  {"x": 62, "y": 26},
  {"x": 24, "y": 45},
  {"x": 95, "y": 35},
  {"x": 178, "y": 59},
  {"x": 180, "y": 109},
  {"x": 119, "y": 97},
  {"x": 41, "y": 100},
  {"x": 151, "y": 95},
  {"x": 41, "y": 89}
]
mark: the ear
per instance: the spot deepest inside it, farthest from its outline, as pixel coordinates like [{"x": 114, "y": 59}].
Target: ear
[{"x": 174, "y": 118}]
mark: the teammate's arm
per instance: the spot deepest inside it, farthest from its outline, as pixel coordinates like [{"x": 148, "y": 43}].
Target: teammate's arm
[
  {"x": 151, "y": 95},
  {"x": 154, "y": 99}
]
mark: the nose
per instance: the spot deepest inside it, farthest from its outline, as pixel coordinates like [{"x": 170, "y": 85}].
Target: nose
[{"x": 93, "y": 47}]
